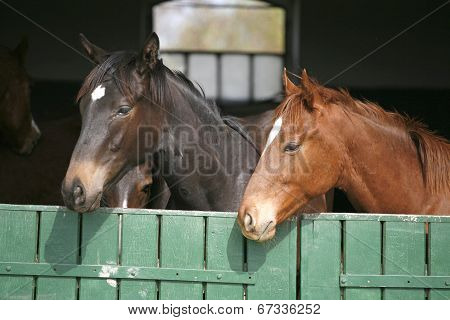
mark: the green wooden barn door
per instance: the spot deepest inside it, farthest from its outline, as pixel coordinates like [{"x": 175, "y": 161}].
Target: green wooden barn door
[
  {"x": 139, "y": 249},
  {"x": 362, "y": 255},
  {"x": 18, "y": 241},
  {"x": 320, "y": 259},
  {"x": 404, "y": 254},
  {"x": 224, "y": 251},
  {"x": 274, "y": 263},
  {"x": 99, "y": 246},
  {"x": 439, "y": 257},
  {"x": 182, "y": 246},
  {"x": 58, "y": 244}
]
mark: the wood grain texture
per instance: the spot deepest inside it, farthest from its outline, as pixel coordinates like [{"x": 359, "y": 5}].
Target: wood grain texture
[
  {"x": 362, "y": 255},
  {"x": 404, "y": 253},
  {"x": 182, "y": 246},
  {"x": 224, "y": 251},
  {"x": 139, "y": 248},
  {"x": 439, "y": 257},
  {"x": 18, "y": 237},
  {"x": 99, "y": 245},
  {"x": 272, "y": 261},
  {"x": 320, "y": 259},
  {"x": 58, "y": 245}
]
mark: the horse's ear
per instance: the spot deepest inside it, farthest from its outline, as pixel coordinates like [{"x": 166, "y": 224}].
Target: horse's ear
[
  {"x": 96, "y": 54},
  {"x": 150, "y": 53},
  {"x": 308, "y": 88},
  {"x": 289, "y": 86},
  {"x": 21, "y": 50}
]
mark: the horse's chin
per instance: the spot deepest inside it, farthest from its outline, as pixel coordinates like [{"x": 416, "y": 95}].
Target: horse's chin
[
  {"x": 91, "y": 205},
  {"x": 263, "y": 237}
]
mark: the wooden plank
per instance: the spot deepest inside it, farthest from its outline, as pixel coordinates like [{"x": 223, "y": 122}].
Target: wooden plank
[
  {"x": 404, "y": 253},
  {"x": 320, "y": 259},
  {"x": 139, "y": 249},
  {"x": 375, "y": 217},
  {"x": 362, "y": 255},
  {"x": 274, "y": 261},
  {"x": 439, "y": 257},
  {"x": 224, "y": 251},
  {"x": 182, "y": 246},
  {"x": 99, "y": 245},
  {"x": 58, "y": 244},
  {"x": 18, "y": 237}
]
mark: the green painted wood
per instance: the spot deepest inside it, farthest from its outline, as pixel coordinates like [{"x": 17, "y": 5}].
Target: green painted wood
[
  {"x": 362, "y": 255},
  {"x": 127, "y": 272},
  {"x": 322, "y": 216},
  {"x": 182, "y": 250},
  {"x": 58, "y": 235},
  {"x": 394, "y": 281},
  {"x": 320, "y": 259},
  {"x": 439, "y": 257},
  {"x": 139, "y": 248},
  {"x": 182, "y": 246},
  {"x": 224, "y": 251},
  {"x": 375, "y": 217},
  {"x": 18, "y": 236},
  {"x": 404, "y": 253},
  {"x": 99, "y": 245},
  {"x": 273, "y": 261}
]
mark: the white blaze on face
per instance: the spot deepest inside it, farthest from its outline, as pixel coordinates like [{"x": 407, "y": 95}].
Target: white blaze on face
[
  {"x": 125, "y": 203},
  {"x": 98, "y": 93},
  {"x": 274, "y": 132},
  {"x": 35, "y": 127}
]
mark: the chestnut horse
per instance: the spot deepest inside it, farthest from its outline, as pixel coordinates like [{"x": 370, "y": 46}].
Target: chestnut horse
[
  {"x": 17, "y": 127},
  {"x": 323, "y": 138},
  {"x": 134, "y": 109}
]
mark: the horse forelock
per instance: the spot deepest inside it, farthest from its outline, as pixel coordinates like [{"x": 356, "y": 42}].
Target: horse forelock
[
  {"x": 121, "y": 68},
  {"x": 157, "y": 86}
]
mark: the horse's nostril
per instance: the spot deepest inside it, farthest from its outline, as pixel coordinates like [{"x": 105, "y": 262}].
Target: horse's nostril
[
  {"x": 249, "y": 222},
  {"x": 77, "y": 191},
  {"x": 78, "y": 195}
]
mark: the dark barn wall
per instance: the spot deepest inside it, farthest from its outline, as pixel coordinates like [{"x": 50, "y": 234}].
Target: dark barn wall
[
  {"x": 335, "y": 34},
  {"x": 112, "y": 25}
]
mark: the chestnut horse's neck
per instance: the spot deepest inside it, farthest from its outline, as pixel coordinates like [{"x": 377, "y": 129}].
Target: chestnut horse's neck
[{"x": 382, "y": 169}]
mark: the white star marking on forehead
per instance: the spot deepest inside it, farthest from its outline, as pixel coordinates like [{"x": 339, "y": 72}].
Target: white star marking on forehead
[
  {"x": 274, "y": 132},
  {"x": 98, "y": 93}
]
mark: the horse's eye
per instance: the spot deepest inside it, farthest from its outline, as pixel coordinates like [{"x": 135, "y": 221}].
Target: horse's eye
[
  {"x": 123, "y": 110},
  {"x": 291, "y": 147},
  {"x": 146, "y": 188}
]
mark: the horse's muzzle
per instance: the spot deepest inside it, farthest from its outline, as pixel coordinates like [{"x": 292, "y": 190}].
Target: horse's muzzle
[{"x": 74, "y": 196}]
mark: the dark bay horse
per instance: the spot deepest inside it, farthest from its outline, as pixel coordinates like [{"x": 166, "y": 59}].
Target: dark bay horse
[
  {"x": 134, "y": 109},
  {"x": 17, "y": 127},
  {"x": 323, "y": 138}
]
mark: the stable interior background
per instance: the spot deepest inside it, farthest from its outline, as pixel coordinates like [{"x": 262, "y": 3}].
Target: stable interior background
[{"x": 411, "y": 74}]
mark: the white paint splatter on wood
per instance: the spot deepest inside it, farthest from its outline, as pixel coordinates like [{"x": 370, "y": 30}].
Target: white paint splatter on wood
[
  {"x": 107, "y": 271},
  {"x": 111, "y": 282}
]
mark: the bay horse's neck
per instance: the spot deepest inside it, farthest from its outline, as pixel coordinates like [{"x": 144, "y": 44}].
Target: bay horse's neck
[
  {"x": 203, "y": 175},
  {"x": 382, "y": 171}
]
